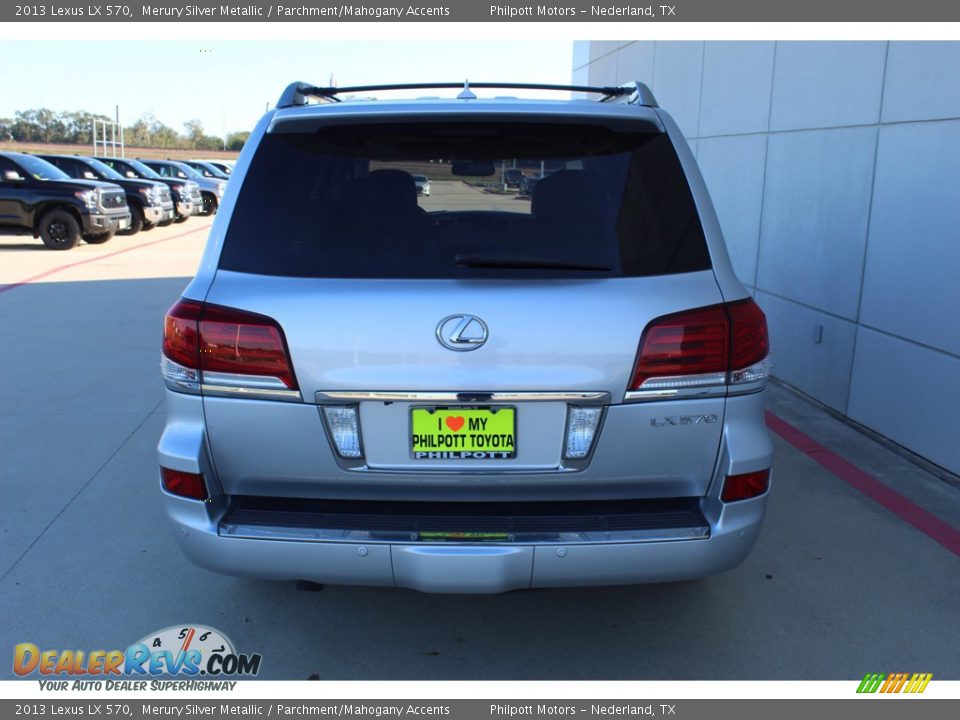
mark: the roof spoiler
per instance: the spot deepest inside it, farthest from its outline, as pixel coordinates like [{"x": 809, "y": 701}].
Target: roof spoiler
[{"x": 632, "y": 93}]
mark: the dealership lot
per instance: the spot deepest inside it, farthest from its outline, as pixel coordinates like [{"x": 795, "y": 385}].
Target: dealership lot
[{"x": 838, "y": 584}]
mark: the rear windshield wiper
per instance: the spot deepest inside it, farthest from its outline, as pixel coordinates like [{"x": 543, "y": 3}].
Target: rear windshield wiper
[{"x": 513, "y": 261}]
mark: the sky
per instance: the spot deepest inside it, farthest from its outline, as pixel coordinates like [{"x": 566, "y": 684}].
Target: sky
[{"x": 227, "y": 85}]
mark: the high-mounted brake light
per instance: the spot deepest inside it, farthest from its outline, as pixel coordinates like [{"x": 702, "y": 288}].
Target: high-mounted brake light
[
  {"x": 711, "y": 346},
  {"x": 222, "y": 350}
]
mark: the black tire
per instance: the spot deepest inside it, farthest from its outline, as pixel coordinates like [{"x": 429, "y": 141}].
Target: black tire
[
  {"x": 97, "y": 239},
  {"x": 59, "y": 230},
  {"x": 181, "y": 218},
  {"x": 136, "y": 221},
  {"x": 164, "y": 223},
  {"x": 210, "y": 204}
]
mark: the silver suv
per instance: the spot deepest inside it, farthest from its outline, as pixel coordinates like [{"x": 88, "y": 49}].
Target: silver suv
[{"x": 476, "y": 392}]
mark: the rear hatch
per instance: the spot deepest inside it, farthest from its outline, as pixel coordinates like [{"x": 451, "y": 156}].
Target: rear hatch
[{"x": 469, "y": 299}]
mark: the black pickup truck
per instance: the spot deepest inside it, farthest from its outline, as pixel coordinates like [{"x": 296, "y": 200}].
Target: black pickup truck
[
  {"x": 149, "y": 201},
  {"x": 38, "y": 198},
  {"x": 186, "y": 193}
]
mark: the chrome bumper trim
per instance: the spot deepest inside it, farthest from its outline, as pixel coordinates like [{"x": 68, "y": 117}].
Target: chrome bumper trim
[
  {"x": 340, "y": 396},
  {"x": 261, "y": 532}
]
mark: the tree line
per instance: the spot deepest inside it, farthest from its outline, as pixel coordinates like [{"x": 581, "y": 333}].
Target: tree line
[{"x": 75, "y": 128}]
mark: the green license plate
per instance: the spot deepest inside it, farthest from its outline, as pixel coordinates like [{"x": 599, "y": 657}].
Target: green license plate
[{"x": 463, "y": 433}]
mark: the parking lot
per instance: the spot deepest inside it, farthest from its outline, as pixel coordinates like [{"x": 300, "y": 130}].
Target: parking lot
[{"x": 857, "y": 568}]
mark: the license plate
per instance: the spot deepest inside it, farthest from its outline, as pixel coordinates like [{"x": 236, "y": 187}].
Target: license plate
[
  {"x": 123, "y": 224},
  {"x": 460, "y": 433}
]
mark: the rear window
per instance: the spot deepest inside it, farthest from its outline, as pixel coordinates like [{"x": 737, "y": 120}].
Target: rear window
[{"x": 342, "y": 202}]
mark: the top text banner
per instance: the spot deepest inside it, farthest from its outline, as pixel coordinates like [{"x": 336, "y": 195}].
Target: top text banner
[{"x": 478, "y": 11}]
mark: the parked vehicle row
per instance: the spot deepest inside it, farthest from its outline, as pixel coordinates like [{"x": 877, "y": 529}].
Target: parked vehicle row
[
  {"x": 187, "y": 198},
  {"x": 211, "y": 187},
  {"x": 63, "y": 199}
]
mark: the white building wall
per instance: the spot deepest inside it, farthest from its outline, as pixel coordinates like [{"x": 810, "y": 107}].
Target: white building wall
[{"x": 835, "y": 171}]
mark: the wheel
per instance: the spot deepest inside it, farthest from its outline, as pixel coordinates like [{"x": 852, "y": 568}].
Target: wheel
[
  {"x": 210, "y": 204},
  {"x": 97, "y": 239},
  {"x": 164, "y": 223},
  {"x": 181, "y": 218},
  {"x": 59, "y": 230},
  {"x": 136, "y": 221}
]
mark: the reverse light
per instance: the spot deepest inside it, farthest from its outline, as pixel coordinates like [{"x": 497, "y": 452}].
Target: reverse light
[
  {"x": 344, "y": 426},
  {"x": 184, "y": 484},
  {"x": 745, "y": 486},
  {"x": 582, "y": 425},
  {"x": 220, "y": 350},
  {"x": 719, "y": 345}
]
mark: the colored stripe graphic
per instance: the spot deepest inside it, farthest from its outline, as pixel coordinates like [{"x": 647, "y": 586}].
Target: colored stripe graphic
[
  {"x": 911, "y": 513},
  {"x": 870, "y": 682},
  {"x": 894, "y": 682},
  {"x": 918, "y": 683}
]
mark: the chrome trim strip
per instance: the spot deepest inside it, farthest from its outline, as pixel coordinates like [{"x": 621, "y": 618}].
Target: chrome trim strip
[
  {"x": 675, "y": 393},
  {"x": 239, "y": 380},
  {"x": 680, "y": 382},
  {"x": 323, "y": 535},
  {"x": 341, "y": 396},
  {"x": 746, "y": 388},
  {"x": 251, "y": 392},
  {"x": 188, "y": 388}
]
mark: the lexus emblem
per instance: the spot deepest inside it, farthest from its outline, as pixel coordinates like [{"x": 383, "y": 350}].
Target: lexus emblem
[{"x": 462, "y": 332}]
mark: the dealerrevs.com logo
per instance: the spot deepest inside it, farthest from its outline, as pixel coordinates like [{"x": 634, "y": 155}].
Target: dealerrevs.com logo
[{"x": 190, "y": 651}]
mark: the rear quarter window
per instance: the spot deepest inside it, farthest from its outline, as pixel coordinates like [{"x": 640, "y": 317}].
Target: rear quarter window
[{"x": 342, "y": 203}]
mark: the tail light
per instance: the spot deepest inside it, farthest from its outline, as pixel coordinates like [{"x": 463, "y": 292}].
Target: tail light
[
  {"x": 743, "y": 487},
  {"x": 718, "y": 345},
  {"x": 184, "y": 484},
  {"x": 222, "y": 350}
]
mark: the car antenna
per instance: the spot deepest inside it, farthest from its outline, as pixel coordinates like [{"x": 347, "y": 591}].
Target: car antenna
[{"x": 467, "y": 93}]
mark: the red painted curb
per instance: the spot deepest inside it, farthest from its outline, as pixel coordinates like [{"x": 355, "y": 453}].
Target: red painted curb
[
  {"x": 54, "y": 271},
  {"x": 926, "y": 522}
]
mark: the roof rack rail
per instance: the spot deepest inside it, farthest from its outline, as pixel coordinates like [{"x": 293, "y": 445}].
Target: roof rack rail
[{"x": 635, "y": 93}]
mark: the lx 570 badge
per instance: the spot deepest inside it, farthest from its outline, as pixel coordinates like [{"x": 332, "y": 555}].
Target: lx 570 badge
[{"x": 683, "y": 420}]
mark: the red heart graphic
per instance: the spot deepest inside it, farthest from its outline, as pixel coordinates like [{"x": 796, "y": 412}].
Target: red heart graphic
[{"x": 454, "y": 423}]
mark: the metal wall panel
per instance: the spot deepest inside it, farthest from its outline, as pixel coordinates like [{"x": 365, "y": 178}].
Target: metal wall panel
[
  {"x": 835, "y": 171},
  {"x": 816, "y": 203},
  {"x": 827, "y": 84}
]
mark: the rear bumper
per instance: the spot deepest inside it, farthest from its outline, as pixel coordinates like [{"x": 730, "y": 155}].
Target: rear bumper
[
  {"x": 466, "y": 568},
  {"x": 213, "y": 535}
]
